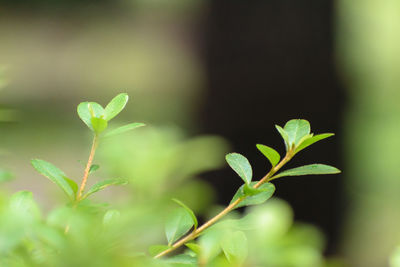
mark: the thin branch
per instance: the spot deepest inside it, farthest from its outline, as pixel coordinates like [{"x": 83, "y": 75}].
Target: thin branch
[{"x": 88, "y": 165}]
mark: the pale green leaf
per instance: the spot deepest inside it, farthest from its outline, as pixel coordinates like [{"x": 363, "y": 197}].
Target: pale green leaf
[
  {"x": 182, "y": 260},
  {"x": 194, "y": 247},
  {"x": 235, "y": 247},
  {"x": 157, "y": 249},
  {"x": 189, "y": 211},
  {"x": 23, "y": 205},
  {"x": 54, "y": 174},
  {"x": 313, "y": 140},
  {"x": 103, "y": 184},
  {"x": 312, "y": 169},
  {"x": 284, "y": 135},
  {"x": 98, "y": 124},
  {"x": 124, "y": 129},
  {"x": 240, "y": 165},
  {"x": 296, "y": 130},
  {"x": 271, "y": 154},
  {"x": 116, "y": 105},
  {"x": 178, "y": 224},
  {"x": 110, "y": 217},
  {"x": 266, "y": 192},
  {"x": 85, "y": 110},
  {"x": 94, "y": 168}
]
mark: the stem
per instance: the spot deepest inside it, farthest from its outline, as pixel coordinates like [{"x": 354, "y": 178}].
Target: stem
[
  {"x": 198, "y": 231},
  {"x": 88, "y": 165}
]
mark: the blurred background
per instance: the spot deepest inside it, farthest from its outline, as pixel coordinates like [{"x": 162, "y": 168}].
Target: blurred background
[{"x": 210, "y": 77}]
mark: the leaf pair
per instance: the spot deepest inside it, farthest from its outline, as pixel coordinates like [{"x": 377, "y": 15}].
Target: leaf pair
[
  {"x": 69, "y": 186},
  {"x": 96, "y": 117}
]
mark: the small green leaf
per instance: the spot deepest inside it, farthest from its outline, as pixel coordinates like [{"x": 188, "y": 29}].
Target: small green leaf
[
  {"x": 178, "y": 224},
  {"x": 98, "y": 124},
  {"x": 103, "y": 184},
  {"x": 312, "y": 169},
  {"x": 111, "y": 216},
  {"x": 267, "y": 190},
  {"x": 312, "y": 140},
  {"x": 157, "y": 249},
  {"x": 284, "y": 135},
  {"x": 124, "y": 129},
  {"x": 116, "y": 105},
  {"x": 191, "y": 213},
  {"x": 249, "y": 190},
  {"x": 270, "y": 153},
  {"x": 182, "y": 260},
  {"x": 22, "y": 204},
  {"x": 94, "y": 168},
  {"x": 73, "y": 185},
  {"x": 5, "y": 176},
  {"x": 54, "y": 174},
  {"x": 296, "y": 130},
  {"x": 241, "y": 166},
  {"x": 194, "y": 247},
  {"x": 235, "y": 247},
  {"x": 85, "y": 110}
]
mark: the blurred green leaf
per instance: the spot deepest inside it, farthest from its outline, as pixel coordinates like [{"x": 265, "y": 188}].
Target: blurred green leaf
[
  {"x": 156, "y": 249},
  {"x": 312, "y": 140},
  {"x": 103, "y": 184},
  {"x": 296, "y": 130},
  {"x": 235, "y": 247},
  {"x": 6, "y": 176},
  {"x": 182, "y": 259},
  {"x": 94, "y": 168},
  {"x": 124, "y": 129},
  {"x": 84, "y": 111},
  {"x": 266, "y": 192},
  {"x": 98, "y": 124},
  {"x": 189, "y": 211},
  {"x": 54, "y": 174},
  {"x": 271, "y": 154},
  {"x": 111, "y": 216},
  {"x": 194, "y": 247},
  {"x": 116, "y": 105},
  {"x": 312, "y": 169},
  {"x": 284, "y": 135},
  {"x": 240, "y": 165},
  {"x": 23, "y": 206},
  {"x": 178, "y": 224}
]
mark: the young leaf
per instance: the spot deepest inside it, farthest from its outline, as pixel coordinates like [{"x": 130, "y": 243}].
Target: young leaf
[
  {"x": 296, "y": 130},
  {"x": 115, "y": 106},
  {"x": 98, "y": 124},
  {"x": 73, "y": 185},
  {"x": 156, "y": 249},
  {"x": 94, "y": 168},
  {"x": 194, "y": 247},
  {"x": 103, "y": 184},
  {"x": 54, "y": 174},
  {"x": 270, "y": 153},
  {"x": 284, "y": 135},
  {"x": 85, "y": 110},
  {"x": 124, "y": 129},
  {"x": 266, "y": 192},
  {"x": 312, "y": 140},
  {"x": 178, "y": 224},
  {"x": 235, "y": 247},
  {"x": 191, "y": 213},
  {"x": 312, "y": 169},
  {"x": 241, "y": 166}
]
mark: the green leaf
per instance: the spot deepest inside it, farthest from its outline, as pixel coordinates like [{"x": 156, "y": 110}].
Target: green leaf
[
  {"x": 296, "y": 130},
  {"x": 178, "y": 224},
  {"x": 194, "y": 247},
  {"x": 312, "y": 140},
  {"x": 94, "y": 168},
  {"x": 270, "y": 153},
  {"x": 5, "y": 176},
  {"x": 115, "y": 106},
  {"x": 124, "y": 129},
  {"x": 103, "y": 184},
  {"x": 241, "y": 166},
  {"x": 157, "y": 249},
  {"x": 312, "y": 169},
  {"x": 73, "y": 185},
  {"x": 85, "y": 110},
  {"x": 191, "y": 213},
  {"x": 22, "y": 204},
  {"x": 235, "y": 247},
  {"x": 284, "y": 135},
  {"x": 98, "y": 124},
  {"x": 249, "y": 190},
  {"x": 266, "y": 192},
  {"x": 54, "y": 174},
  {"x": 182, "y": 259},
  {"x": 111, "y": 216}
]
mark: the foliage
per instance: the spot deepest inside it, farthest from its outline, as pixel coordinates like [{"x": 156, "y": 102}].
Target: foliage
[{"x": 86, "y": 233}]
